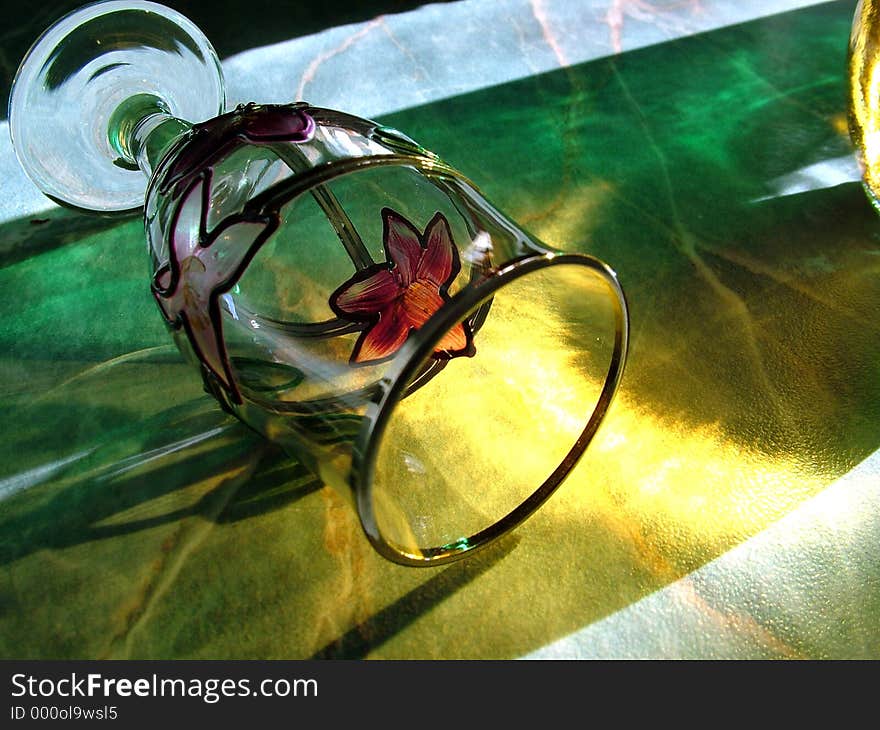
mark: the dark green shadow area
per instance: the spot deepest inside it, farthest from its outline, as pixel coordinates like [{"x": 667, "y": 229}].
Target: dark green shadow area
[
  {"x": 137, "y": 520},
  {"x": 25, "y": 237}
]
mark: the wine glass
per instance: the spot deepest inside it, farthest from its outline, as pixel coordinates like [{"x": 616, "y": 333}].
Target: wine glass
[{"x": 341, "y": 289}]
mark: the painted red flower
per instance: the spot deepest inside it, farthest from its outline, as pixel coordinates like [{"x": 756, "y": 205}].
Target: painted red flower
[{"x": 402, "y": 293}]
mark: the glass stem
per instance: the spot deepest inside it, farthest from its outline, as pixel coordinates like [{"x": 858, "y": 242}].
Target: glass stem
[{"x": 141, "y": 131}]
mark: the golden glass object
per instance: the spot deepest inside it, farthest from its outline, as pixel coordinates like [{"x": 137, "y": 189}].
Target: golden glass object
[{"x": 864, "y": 88}]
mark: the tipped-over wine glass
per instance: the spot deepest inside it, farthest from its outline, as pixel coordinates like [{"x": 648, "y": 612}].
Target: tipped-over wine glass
[{"x": 342, "y": 290}]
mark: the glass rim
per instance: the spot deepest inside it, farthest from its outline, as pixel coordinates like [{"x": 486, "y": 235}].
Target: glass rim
[{"x": 406, "y": 366}]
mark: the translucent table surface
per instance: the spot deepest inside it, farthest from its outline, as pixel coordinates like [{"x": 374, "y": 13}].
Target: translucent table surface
[{"x": 730, "y": 504}]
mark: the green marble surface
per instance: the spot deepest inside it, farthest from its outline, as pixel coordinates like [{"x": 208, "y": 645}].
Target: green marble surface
[{"x": 137, "y": 520}]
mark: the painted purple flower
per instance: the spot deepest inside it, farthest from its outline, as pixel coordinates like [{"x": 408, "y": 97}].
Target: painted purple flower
[
  {"x": 188, "y": 287},
  {"x": 204, "y": 264},
  {"x": 401, "y": 294}
]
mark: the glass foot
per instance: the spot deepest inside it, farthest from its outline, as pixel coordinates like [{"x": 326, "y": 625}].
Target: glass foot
[{"x": 72, "y": 83}]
